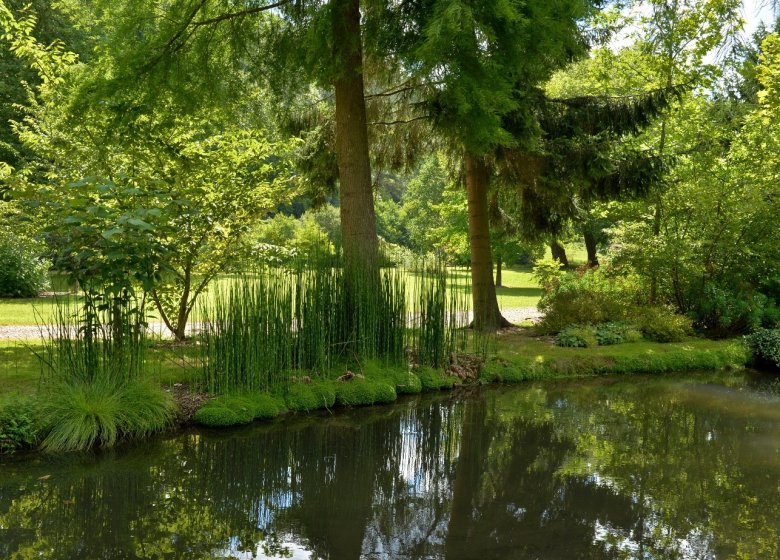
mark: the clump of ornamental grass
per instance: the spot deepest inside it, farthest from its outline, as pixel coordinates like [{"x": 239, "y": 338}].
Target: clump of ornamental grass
[{"x": 78, "y": 416}]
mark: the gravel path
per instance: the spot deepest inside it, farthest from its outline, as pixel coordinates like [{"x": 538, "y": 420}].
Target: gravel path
[{"x": 514, "y": 315}]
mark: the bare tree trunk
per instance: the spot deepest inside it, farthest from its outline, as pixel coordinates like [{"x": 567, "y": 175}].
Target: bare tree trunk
[
  {"x": 559, "y": 252},
  {"x": 487, "y": 317},
  {"x": 358, "y": 220},
  {"x": 591, "y": 248},
  {"x": 499, "y": 262}
]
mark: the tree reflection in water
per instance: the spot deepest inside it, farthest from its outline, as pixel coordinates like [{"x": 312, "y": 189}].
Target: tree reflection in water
[{"x": 639, "y": 468}]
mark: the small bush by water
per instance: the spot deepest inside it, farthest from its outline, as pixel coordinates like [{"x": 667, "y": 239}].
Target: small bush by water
[
  {"x": 764, "y": 345},
  {"x": 19, "y": 425}
]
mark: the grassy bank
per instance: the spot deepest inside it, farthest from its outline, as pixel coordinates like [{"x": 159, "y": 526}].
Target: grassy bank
[{"x": 514, "y": 357}]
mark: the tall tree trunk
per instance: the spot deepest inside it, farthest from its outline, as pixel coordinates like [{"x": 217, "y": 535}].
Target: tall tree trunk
[
  {"x": 559, "y": 252},
  {"x": 487, "y": 317},
  {"x": 499, "y": 262},
  {"x": 358, "y": 220},
  {"x": 591, "y": 248}
]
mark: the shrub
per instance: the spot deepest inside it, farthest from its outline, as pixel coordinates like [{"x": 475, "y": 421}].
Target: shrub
[
  {"x": 18, "y": 426},
  {"x": 588, "y": 297},
  {"x": 765, "y": 347},
  {"x": 663, "y": 325},
  {"x": 575, "y": 336},
  {"x": 22, "y": 273},
  {"x": 81, "y": 415},
  {"x": 617, "y": 333},
  {"x": 722, "y": 312}
]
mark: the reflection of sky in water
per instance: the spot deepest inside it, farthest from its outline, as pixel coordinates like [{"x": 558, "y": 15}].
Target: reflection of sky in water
[
  {"x": 281, "y": 549},
  {"x": 566, "y": 479}
]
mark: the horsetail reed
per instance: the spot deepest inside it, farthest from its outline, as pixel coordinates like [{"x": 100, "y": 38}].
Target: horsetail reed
[{"x": 264, "y": 327}]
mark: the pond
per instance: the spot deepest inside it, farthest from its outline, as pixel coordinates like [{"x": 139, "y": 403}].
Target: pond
[{"x": 632, "y": 467}]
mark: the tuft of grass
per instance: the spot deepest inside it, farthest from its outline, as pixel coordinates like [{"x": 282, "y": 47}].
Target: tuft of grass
[{"x": 79, "y": 416}]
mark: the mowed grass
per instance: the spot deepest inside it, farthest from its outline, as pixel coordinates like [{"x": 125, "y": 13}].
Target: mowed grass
[
  {"x": 21, "y": 369},
  {"x": 519, "y": 290}
]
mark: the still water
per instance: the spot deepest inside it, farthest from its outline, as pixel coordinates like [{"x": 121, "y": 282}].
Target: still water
[{"x": 637, "y": 467}]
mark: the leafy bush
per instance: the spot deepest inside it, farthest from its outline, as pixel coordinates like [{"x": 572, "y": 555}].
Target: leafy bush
[
  {"x": 592, "y": 296},
  {"x": 575, "y": 336},
  {"x": 617, "y": 333},
  {"x": 22, "y": 273},
  {"x": 81, "y": 415},
  {"x": 661, "y": 324},
  {"x": 722, "y": 312},
  {"x": 18, "y": 426},
  {"x": 765, "y": 346}
]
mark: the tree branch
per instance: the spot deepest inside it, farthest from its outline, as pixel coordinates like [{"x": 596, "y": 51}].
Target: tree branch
[
  {"x": 402, "y": 121},
  {"x": 247, "y": 12}
]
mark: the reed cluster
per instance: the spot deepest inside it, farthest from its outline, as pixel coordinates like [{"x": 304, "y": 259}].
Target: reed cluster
[{"x": 266, "y": 327}]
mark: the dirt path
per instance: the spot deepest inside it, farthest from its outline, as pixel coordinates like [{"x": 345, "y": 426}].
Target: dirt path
[{"x": 514, "y": 315}]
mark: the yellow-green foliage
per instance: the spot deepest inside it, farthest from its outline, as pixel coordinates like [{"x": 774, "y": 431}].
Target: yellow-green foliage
[
  {"x": 303, "y": 397},
  {"x": 663, "y": 325}
]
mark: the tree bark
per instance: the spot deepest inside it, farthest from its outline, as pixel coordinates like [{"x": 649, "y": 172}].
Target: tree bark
[
  {"x": 499, "y": 262},
  {"x": 358, "y": 220},
  {"x": 487, "y": 317},
  {"x": 591, "y": 248},
  {"x": 559, "y": 252}
]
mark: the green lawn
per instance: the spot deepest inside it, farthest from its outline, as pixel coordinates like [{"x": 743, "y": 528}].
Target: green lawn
[
  {"x": 519, "y": 290},
  {"x": 20, "y": 369}
]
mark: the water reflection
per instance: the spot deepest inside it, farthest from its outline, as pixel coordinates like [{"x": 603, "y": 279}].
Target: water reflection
[{"x": 603, "y": 469}]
